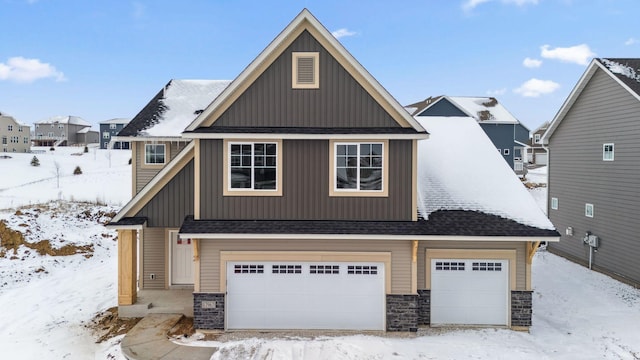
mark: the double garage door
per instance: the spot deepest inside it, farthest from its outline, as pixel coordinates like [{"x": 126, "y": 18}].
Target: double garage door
[
  {"x": 469, "y": 292},
  {"x": 305, "y": 295}
]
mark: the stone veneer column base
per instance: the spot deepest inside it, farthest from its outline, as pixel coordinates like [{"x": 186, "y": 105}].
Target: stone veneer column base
[
  {"x": 521, "y": 308},
  {"x": 208, "y": 311},
  {"x": 402, "y": 312},
  {"x": 424, "y": 307}
]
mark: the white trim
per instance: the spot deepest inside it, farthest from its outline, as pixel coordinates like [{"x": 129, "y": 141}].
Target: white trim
[
  {"x": 357, "y": 190},
  {"x": 228, "y": 167},
  {"x": 586, "y": 208},
  {"x": 126, "y": 227},
  {"x": 150, "y": 138},
  {"x": 604, "y": 152},
  {"x": 365, "y": 237},
  {"x": 419, "y": 136},
  {"x": 284, "y": 36},
  {"x": 156, "y": 179},
  {"x": 554, "y": 200},
  {"x": 164, "y": 154}
]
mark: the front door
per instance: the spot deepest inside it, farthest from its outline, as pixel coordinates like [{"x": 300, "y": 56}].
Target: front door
[{"x": 181, "y": 260}]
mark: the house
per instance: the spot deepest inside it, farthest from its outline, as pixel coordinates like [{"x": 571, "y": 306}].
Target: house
[
  {"x": 593, "y": 172},
  {"x": 508, "y": 135},
  {"x": 536, "y": 152},
  {"x": 109, "y": 129},
  {"x": 16, "y": 137},
  {"x": 64, "y": 131},
  {"x": 294, "y": 199}
]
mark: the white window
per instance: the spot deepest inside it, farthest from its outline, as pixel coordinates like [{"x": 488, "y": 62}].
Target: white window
[
  {"x": 60, "y": 126},
  {"x": 10, "y": 127},
  {"x": 506, "y": 152},
  {"x": 4, "y": 140},
  {"x": 106, "y": 144},
  {"x": 359, "y": 166},
  {"x": 305, "y": 70},
  {"x": 554, "y": 203},
  {"x": 607, "y": 152},
  {"x": 50, "y": 134},
  {"x": 154, "y": 154},
  {"x": 15, "y": 139},
  {"x": 105, "y": 135},
  {"x": 253, "y": 166},
  {"x": 112, "y": 126},
  {"x": 588, "y": 210},
  {"x": 19, "y": 128},
  {"x": 25, "y": 140},
  {"x": 536, "y": 138}
]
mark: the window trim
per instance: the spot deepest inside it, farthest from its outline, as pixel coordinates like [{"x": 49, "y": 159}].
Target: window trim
[
  {"x": 588, "y": 213},
  {"x": 294, "y": 70},
  {"x": 536, "y": 138},
  {"x": 144, "y": 156},
  {"x": 604, "y": 152},
  {"x": 226, "y": 186},
  {"x": 333, "y": 191},
  {"x": 554, "y": 203},
  {"x": 506, "y": 152}
]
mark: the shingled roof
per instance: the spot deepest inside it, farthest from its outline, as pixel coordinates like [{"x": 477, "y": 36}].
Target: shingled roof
[
  {"x": 173, "y": 108},
  {"x": 627, "y": 70}
]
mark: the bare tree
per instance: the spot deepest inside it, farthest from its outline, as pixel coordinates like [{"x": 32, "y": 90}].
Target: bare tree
[{"x": 56, "y": 172}]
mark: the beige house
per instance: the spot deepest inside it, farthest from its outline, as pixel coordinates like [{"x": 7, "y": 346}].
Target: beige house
[{"x": 15, "y": 137}]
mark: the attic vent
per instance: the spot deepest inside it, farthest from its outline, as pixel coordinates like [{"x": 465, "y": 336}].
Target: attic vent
[{"x": 305, "y": 70}]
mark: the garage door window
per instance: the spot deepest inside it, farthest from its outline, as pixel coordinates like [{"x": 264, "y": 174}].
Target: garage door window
[
  {"x": 324, "y": 269},
  {"x": 286, "y": 269},
  {"x": 487, "y": 266},
  {"x": 248, "y": 269},
  {"x": 449, "y": 266},
  {"x": 362, "y": 270}
]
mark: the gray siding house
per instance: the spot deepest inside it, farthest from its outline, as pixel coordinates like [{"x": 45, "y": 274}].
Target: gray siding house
[
  {"x": 594, "y": 192},
  {"x": 536, "y": 153},
  {"x": 288, "y": 199},
  {"x": 110, "y": 129},
  {"x": 508, "y": 135},
  {"x": 14, "y": 137},
  {"x": 64, "y": 131}
]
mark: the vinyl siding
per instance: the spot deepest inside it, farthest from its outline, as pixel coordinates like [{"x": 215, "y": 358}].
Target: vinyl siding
[
  {"x": 443, "y": 108},
  {"x": 521, "y": 271},
  {"x": 144, "y": 175},
  {"x": 154, "y": 260},
  {"x": 306, "y": 187},
  {"x": 339, "y": 102},
  {"x": 171, "y": 204},
  {"x": 603, "y": 113},
  {"x": 400, "y": 256}
]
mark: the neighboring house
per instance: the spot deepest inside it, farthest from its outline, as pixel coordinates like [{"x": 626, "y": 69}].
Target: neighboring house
[
  {"x": 593, "y": 170},
  {"x": 15, "y": 137},
  {"x": 508, "y": 135},
  {"x": 536, "y": 152},
  {"x": 64, "y": 131},
  {"x": 110, "y": 129},
  {"x": 299, "y": 197}
]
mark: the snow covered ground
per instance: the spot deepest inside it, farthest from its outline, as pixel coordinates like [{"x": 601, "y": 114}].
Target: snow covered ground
[{"x": 45, "y": 301}]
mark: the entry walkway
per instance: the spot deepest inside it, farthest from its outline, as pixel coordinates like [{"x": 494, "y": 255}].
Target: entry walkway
[{"x": 148, "y": 340}]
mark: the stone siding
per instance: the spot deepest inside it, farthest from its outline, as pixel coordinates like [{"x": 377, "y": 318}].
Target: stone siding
[
  {"x": 424, "y": 307},
  {"x": 208, "y": 311},
  {"x": 402, "y": 312},
  {"x": 521, "y": 308}
]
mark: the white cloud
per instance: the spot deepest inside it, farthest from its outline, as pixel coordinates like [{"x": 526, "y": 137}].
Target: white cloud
[
  {"x": 497, "y": 92},
  {"x": 631, "y": 41},
  {"x": 24, "y": 70},
  {"x": 469, "y": 5},
  {"x": 343, "y": 33},
  {"x": 536, "y": 87},
  {"x": 532, "y": 63},
  {"x": 579, "y": 54}
]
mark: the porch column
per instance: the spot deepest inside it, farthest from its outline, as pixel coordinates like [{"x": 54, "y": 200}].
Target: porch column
[{"x": 127, "y": 266}]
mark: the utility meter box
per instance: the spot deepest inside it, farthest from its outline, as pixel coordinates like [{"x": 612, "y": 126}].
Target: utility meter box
[{"x": 592, "y": 241}]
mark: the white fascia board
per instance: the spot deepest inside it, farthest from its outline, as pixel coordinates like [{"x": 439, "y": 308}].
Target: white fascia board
[
  {"x": 126, "y": 227},
  {"x": 220, "y": 236},
  {"x": 305, "y": 136},
  {"x": 150, "y": 138}
]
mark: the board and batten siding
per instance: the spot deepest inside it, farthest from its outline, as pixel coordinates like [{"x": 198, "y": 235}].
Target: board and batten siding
[
  {"x": 519, "y": 247},
  {"x": 170, "y": 205},
  {"x": 305, "y": 193},
  {"x": 154, "y": 258},
  {"x": 340, "y": 101},
  {"x": 400, "y": 256},
  {"x": 603, "y": 113},
  {"x": 145, "y": 174}
]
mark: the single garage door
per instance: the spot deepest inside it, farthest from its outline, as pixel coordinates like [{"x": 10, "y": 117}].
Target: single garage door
[
  {"x": 469, "y": 292},
  {"x": 305, "y": 295}
]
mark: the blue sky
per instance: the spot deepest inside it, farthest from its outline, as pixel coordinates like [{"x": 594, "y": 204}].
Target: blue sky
[{"x": 106, "y": 59}]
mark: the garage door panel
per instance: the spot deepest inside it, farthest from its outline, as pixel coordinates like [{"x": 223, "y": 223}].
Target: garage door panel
[
  {"x": 469, "y": 291},
  {"x": 287, "y": 295}
]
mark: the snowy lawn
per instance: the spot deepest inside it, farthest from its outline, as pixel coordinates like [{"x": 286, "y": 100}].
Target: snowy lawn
[{"x": 46, "y": 300}]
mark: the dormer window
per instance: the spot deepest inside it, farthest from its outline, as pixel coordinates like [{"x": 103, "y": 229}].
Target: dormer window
[{"x": 305, "y": 70}]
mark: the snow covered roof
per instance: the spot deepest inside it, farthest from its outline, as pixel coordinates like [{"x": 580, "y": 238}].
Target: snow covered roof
[
  {"x": 5, "y": 115},
  {"x": 484, "y": 109},
  {"x": 174, "y": 107},
  {"x": 450, "y": 179},
  {"x": 627, "y": 70},
  {"x": 72, "y": 120},
  {"x": 116, "y": 121},
  {"x": 85, "y": 130}
]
